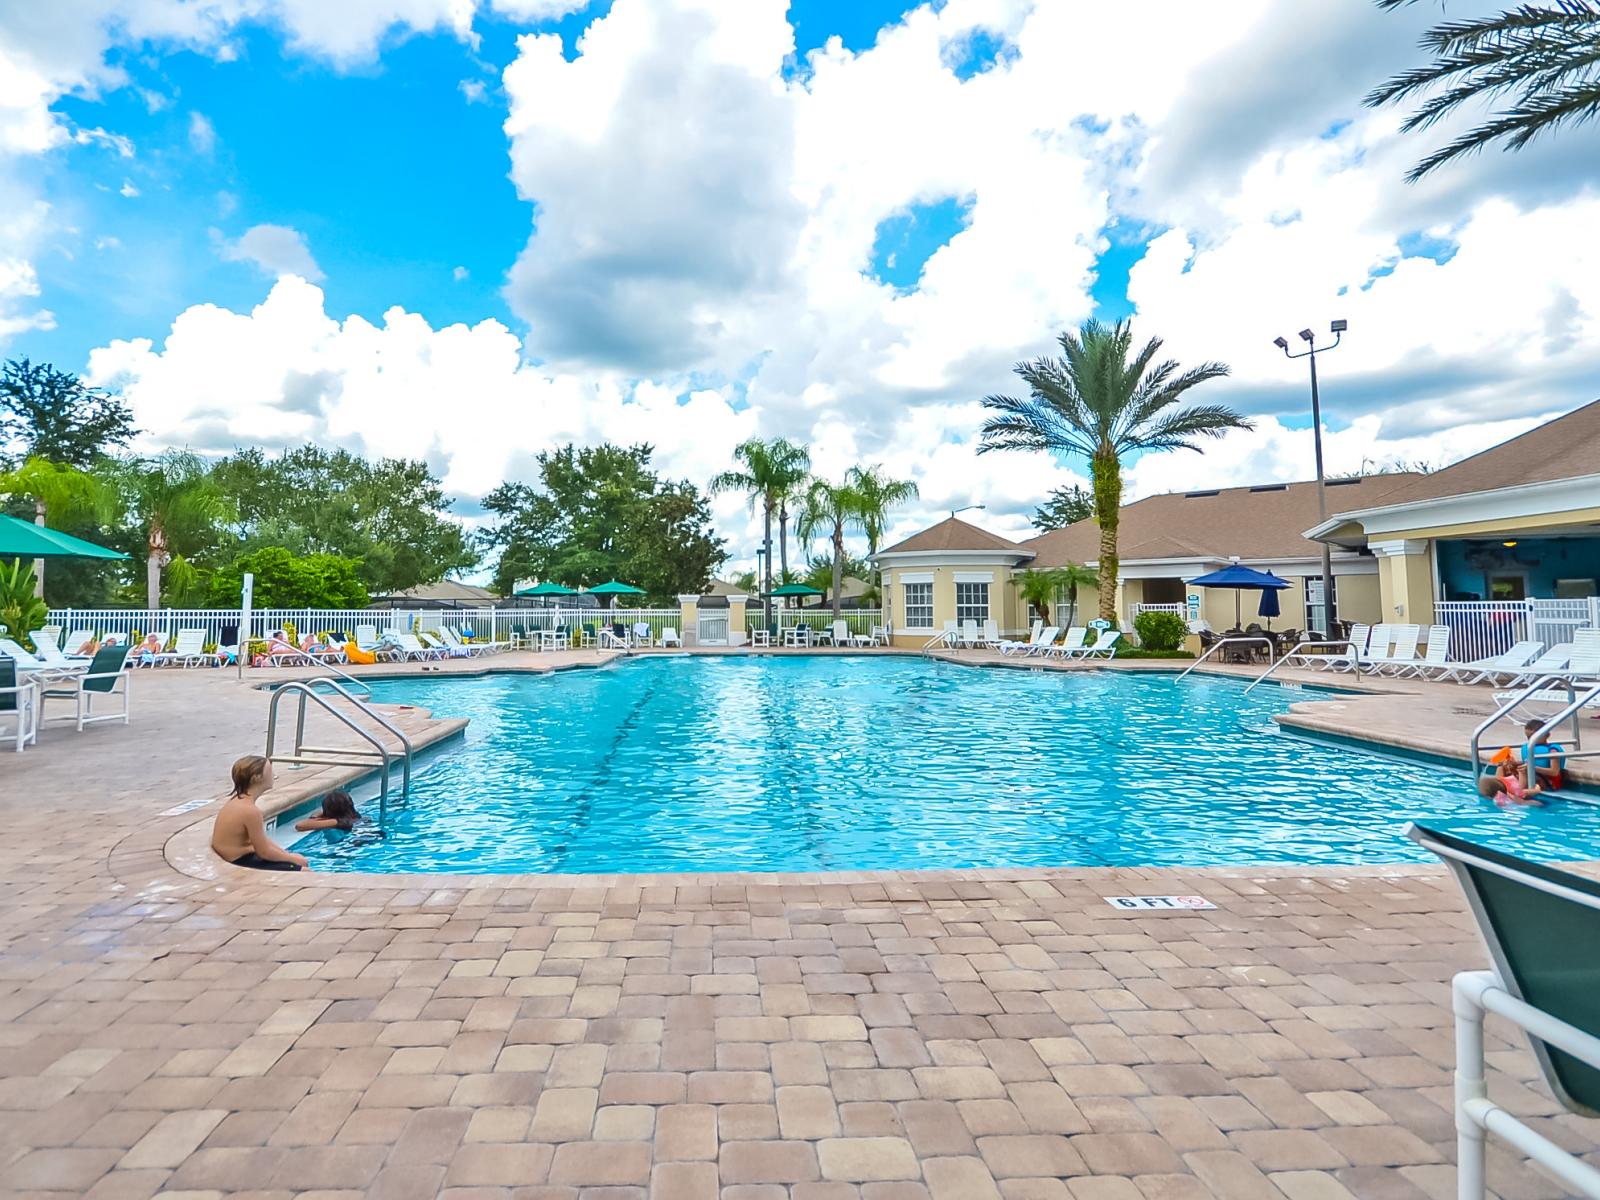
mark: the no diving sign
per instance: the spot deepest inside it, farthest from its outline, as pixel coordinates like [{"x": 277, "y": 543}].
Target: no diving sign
[{"x": 1159, "y": 903}]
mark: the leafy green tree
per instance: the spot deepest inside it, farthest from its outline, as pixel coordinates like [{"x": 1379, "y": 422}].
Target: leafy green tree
[
  {"x": 769, "y": 474},
  {"x": 1066, "y": 506},
  {"x": 180, "y": 510},
  {"x": 1038, "y": 587},
  {"x": 283, "y": 580},
  {"x": 601, "y": 513},
  {"x": 391, "y": 515},
  {"x": 1098, "y": 402},
  {"x": 1539, "y": 58},
  {"x": 831, "y": 510},
  {"x": 21, "y": 611},
  {"x": 54, "y": 415},
  {"x": 745, "y": 581},
  {"x": 63, "y": 492}
]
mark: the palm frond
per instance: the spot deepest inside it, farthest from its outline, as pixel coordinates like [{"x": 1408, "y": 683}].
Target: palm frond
[
  {"x": 1546, "y": 57},
  {"x": 1029, "y": 424},
  {"x": 1180, "y": 430}
]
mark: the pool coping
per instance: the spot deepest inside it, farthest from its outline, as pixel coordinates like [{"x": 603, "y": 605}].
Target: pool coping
[{"x": 183, "y": 840}]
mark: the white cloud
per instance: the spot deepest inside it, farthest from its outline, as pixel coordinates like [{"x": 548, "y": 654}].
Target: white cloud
[
  {"x": 459, "y": 274},
  {"x": 275, "y": 249},
  {"x": 202, "y": 134},
  {"x": 534, "y": 11},
  {"x": 475, "y": 90},
  {"x": 127, "y": 189}
]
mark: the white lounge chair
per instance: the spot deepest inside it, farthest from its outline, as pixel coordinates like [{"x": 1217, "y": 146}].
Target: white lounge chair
[
  {"x": 669, "y": 637},
  {"x": 453, "y": 645},
  {"x": 1035, "y": 637},
  {"x": 1105, "y": 646},
  {"x": 34, "y": 667},
  {"x": 1360, "y": 635},
  {"x": 1070, "y": 644},
  {"x": 641, "y": 635},
  {"x": 75, "y": 639},
  {"x": 1401, "y": 654},
  {"x": 47, "y": 652},
  {"x": 969, "y": 634},
  {"x": 1046, "y": 639},
  {"x": 1510, "y": 664},
  {"x": 1436, "y": 657},
  {"x": 413, "y": 650},
  {"x": 188, "y": 650},
  {"x": 839, "y": 633},
  {"x": 1553, "y": 661},
  {"x": 990, "y": 638},
  {"x": 879, "y": 636}
]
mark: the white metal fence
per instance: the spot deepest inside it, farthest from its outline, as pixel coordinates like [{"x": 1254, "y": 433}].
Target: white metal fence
[{"x": 1481, "y": 628}]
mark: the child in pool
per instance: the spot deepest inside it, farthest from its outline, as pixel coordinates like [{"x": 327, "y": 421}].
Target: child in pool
[
  {"x": 1548, "y": 757},
  {"x": 338, "y": 811},
  {"x": 1505, "y": 785}
]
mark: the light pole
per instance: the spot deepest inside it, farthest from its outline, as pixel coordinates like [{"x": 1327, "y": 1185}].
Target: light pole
[
  {"x": 966, "y": 507},
  {"x": 766, "y": 602},
  {"x": 1310, "y": 352}
]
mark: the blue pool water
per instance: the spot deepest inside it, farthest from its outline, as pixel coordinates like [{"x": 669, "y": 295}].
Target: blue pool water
[{"x": 836, "y": 763}]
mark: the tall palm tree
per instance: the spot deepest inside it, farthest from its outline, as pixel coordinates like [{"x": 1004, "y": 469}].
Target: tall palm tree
[
  {"x": 1098, "y": 402},
  {"x": 766, "y": 474},
  {"x": 792, "y": 464},
  {"x": 1540, "y": 57},
  {"x": 181, "y": 509},
  {"x": 830, "y": 510},
  {"x": 879, "y": 496},
  {"x": 58, "y": 491}
]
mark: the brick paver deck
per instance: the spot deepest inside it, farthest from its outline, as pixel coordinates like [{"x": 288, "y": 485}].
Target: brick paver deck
[{"x": 952, "y": 1036}]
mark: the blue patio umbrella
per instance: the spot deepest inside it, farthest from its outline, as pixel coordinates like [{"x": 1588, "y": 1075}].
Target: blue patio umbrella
[
  {"x": 1242, "y": 579},
  {"x": 1268, "y": 607}
]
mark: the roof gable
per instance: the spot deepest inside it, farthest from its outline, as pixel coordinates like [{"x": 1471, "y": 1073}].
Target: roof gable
[{"x": 952, "y": 533}]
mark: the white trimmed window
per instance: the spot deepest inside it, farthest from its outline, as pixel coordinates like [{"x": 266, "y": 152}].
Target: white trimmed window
[
  {"x": 919, "y": 605},
  {"x": 972, "y": 602}
]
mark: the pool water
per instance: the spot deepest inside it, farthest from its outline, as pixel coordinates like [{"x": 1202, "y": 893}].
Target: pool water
[{"x": 850, "y": 763}]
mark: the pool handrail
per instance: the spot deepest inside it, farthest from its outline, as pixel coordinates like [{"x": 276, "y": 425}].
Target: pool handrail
[
  {"x": 1512, "y": 704},
  {"x": 945, "y": 637},
  {"x": 340, "y": 756},
  {"x": 1299, "y": 646},
  {"x": 1228, "y": 641}
]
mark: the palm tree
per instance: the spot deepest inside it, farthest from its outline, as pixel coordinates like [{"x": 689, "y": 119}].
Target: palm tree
[
  {"x": 63, "y": 492},
  {"x": 1540, "y": 56},
  {"x": 767, "y": 477},
  {"x": 181, "y": 508},
  {"x": 1096, "y": 401},
  {"x": 793, "y": 466},
  {"x": 1070, "y": 578},
  {"x": 829, "y": 511}
]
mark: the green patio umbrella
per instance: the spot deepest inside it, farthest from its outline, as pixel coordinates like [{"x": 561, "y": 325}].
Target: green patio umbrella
[
  {"x": 797, "y": 589},
  {"x": 22, "y": 539},
  {"x": 548, "y": 588},
  {"x": 614, "y": 589}
]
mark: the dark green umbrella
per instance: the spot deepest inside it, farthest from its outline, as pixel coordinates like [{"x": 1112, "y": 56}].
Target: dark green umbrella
[
  {"x": 614, "y": 589},
  {"x": 797, "y": 589},
  {"x": 548, "y": 588},
  {"x": 22, "y": 539}
]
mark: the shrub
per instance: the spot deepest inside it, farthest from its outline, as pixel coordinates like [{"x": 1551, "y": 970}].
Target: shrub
[
  {"x": 1162, "y": 631},
  {"x": 21, "y": 612}
]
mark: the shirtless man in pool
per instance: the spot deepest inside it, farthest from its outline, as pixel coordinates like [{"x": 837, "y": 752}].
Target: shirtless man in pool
[{"x": 240, "y": 835}]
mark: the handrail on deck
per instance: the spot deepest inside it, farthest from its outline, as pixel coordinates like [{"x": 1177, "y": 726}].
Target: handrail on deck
[
  {"x": 1299, "y": 646},
  {"x": 1229, "y": 641},
  {"x": 945, "y": 637},
  {"x": 339, "y": 756}
]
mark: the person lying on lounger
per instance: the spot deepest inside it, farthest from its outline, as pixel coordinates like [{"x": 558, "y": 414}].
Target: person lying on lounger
[
  {"x": 148, "y": 650},
  {"x": 239, "y": 835}
]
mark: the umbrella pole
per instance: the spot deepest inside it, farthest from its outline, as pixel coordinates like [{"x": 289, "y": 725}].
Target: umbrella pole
[{"x": 1238, "y": 621}]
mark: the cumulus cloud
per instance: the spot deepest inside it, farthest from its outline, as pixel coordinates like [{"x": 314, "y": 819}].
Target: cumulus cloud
[{"x": 275, "y": 249}]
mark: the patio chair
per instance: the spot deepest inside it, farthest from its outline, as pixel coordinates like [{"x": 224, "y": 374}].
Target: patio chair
[
  {"x": 48, "y": 653},
  {"x": 19, "y": 704},
  {"x": 107, "y": 676},
  {"x": 1402, "y": 653},
  {"x": 588, "y": 635},
  {"x": 990, "y": 639},
  {"x": 188, "y": 650},
  {"x": 969, "y": 634},
  {"x": 1105, "y": 646},
  {"x": 1509, "y": 664},
  {"x": 839, "y": 633},
  {"x": 669, "y": 637},
  {"x": 1070, "y": 643},
  {"x": 761, "y": 637},
  {"x": 642, "y": 635},
  {"x": 1437, "y": 656},
  {"x": 879, "y": 636},
  {"x": 28, "y": 664},
  {"x": 1532, "y": 918},
  {"x": 1041, "y": 637}
]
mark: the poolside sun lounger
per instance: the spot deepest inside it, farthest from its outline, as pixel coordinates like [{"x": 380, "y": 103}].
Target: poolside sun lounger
[
  {"x": 188, "y": 649},
  {"x": 1360, "y": 635},
  {"x": 1532, "y": 917},
  {"x": 879, "y": 636},
  {"x": 1437, "y": 656},
  {"x": 28, "y": 664},
  {"x": 19, "y": 704},
  {"x": 1071, "y": 642},
  {"x": 1401, "y": 654},
  {"x": 669, "y": 637},
  {"x": 1509, "y": 664},
  {"x": 969, "y": 634},
  {"x": 1034, "y": 639},
  {"x": 1552, "y": 662},
  {"x": 990, "y": 639},
  {"x": 413, "y": 650},
  {"x": 50, "y": 655},
  {"x": 107, "y": 674},
  {"x": 75, "y": 639},
  {"x": 1042, "y": 644},
  {"x": 1105, "y": 646},
  {"x": 456, "y": 648}
]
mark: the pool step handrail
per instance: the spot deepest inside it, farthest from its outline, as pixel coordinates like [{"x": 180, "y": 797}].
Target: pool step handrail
[
  {"x": 1299, "y": 646},
  {"x": 341, "y": 756},
  {"x": 945, "y": 637},
  {"x": 1271, "y": 646},
  {"x": 1523, "y": 694},
  {"x": 610, "y": 641}
]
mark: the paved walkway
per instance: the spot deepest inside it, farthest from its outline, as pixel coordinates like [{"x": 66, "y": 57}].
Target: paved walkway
[{"x": 951, "y": 1036}]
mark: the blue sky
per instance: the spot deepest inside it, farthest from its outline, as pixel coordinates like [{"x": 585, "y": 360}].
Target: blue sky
[{"x": 694, "y": 221}]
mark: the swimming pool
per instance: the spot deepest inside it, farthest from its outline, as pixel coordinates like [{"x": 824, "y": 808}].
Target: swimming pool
[{"x": 849, "y": 763}]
